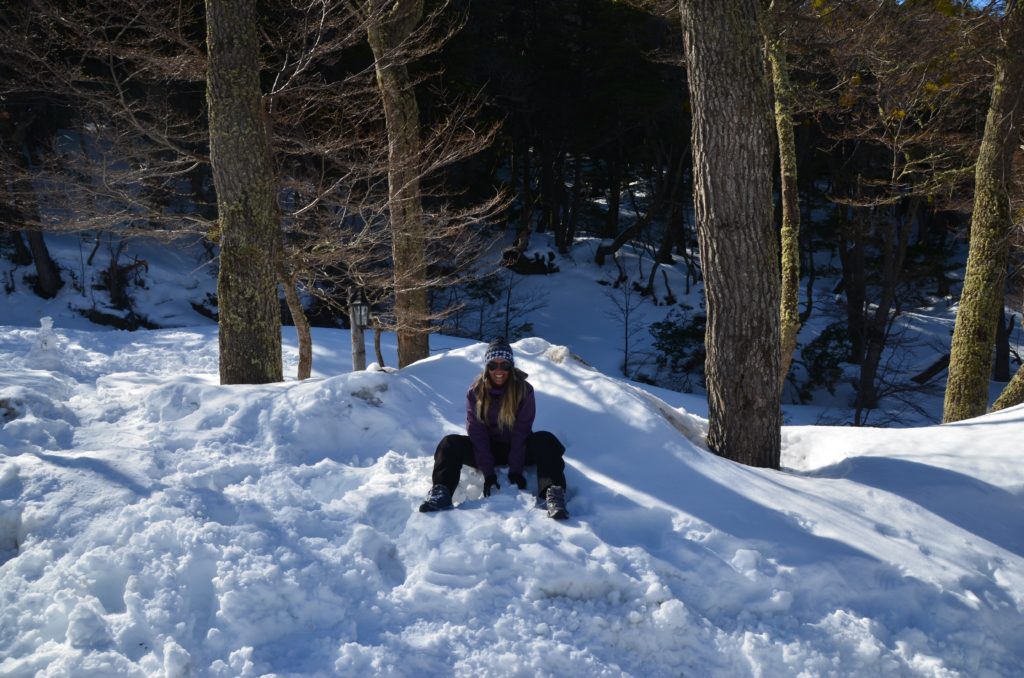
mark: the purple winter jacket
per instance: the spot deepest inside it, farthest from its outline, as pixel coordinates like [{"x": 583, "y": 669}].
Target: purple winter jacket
[{"x": 482, "y": 434}]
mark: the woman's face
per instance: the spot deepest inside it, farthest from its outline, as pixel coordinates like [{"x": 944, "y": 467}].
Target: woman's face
[{"x": 498, "y": 371}]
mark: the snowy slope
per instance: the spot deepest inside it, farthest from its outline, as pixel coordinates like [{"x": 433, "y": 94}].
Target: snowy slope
[{"x": 155, "y": 523}]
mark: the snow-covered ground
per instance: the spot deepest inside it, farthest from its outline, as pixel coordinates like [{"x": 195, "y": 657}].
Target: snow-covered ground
[{"x": 155, "y": 523}]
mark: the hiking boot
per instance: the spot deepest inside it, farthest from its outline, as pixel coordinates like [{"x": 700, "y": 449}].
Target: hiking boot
[
  {"x": 556, "y": 503},
  {"x": 439, "y": 499}
]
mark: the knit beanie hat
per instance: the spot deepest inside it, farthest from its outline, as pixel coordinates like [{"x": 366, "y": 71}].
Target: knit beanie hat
[{"x": 499, "y": 349}]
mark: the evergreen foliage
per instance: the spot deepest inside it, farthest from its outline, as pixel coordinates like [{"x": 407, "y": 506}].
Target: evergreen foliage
[{"x": 679, "y": 341}]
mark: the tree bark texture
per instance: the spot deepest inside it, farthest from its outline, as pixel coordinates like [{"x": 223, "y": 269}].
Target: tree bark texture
[
  {"x": 732, "y": 149},
  {"x": 1013, "y": 394},
  {"x": 789, "y": 310},
  {"x": 981, "y": 302},
  {"x": 243, "y": 174},
  {"x": 402, "y": 119}
]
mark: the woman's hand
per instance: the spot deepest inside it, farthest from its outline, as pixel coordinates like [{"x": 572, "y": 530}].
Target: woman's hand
[
  {"x": 489, "y": 482},
  {"x": 517, "y": 479}
]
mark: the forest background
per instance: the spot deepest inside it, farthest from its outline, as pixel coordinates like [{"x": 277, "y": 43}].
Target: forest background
[{"x": 567, "y": 119}]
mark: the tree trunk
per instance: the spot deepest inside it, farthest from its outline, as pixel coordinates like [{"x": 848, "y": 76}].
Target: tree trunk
[
  {"x": 812, "y": 277},
  {"x": 526, "y": 195},
  {"x": 789, "y": 310},
  {"x": 732, "y": 151},
  {"x": 401, "y": 114},
  {"x": 358, "y": 339},
  {"x": 1001, "y": 366},
  {"x": 552, "y": 187},
  {"x": 48, "y": 280},
  {"x": 981, "y": 301},
  {"x": 243, "y": 174},
  {"x": 631, "y": 233},
  {"x": 925, "y": 375},
  {"x": 302, "y": 330},
  {"x": 577, "y": 200},
  {"x": 942, "y": 281},
  {"x": 896, "y": 241},
  {"x": 516, "y": 159},
  {"x": 521, "y": 166},
  {"x": 376, "y": 345},
  {"x": 854, "y": 283},
  {"x": 664, "y": 254},
  {"x": 21, "y": 256},
  {"x": 1013, "y": 394},
  {"x": 611, "y": 224}
]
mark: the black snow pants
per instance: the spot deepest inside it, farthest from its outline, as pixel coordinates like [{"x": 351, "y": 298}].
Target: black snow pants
[{"x": 542, "y": 448}]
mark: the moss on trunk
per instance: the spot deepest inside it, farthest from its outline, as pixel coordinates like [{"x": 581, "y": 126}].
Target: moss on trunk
[
  {"x": 249, "y": 310},
  {"x": 981, "y": 302}
]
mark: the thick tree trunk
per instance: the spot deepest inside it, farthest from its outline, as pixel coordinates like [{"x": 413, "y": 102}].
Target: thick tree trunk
[
  {"x": 48, "y": 279},
  {"x": 401, "y": 113},
  {"x": 732, "y": 148},
  {"x": 981, "y": 301},
  {"x": 243, "y": 174},
  {"x": 789, "y": 310}
]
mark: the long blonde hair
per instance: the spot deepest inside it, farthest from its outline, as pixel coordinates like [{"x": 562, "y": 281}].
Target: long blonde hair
[{"x": 515, "y": 389}]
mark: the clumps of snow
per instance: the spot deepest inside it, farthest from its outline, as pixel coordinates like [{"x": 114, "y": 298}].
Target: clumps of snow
[
  {"x": 557, "y": 354},
  {"x": 35, "y": 413}
]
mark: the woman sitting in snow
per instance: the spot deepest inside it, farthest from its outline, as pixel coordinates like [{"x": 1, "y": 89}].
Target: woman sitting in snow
[{"x": 500, "y": 409}]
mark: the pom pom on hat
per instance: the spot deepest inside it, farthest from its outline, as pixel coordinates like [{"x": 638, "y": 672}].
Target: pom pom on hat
[{"x": 499, "y": 349}]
